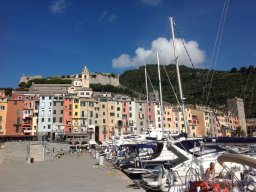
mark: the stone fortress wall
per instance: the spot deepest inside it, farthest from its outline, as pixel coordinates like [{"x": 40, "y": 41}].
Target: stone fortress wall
[
  {"x": 26, "y": 78},
  {"x": 104, "y": 79},
  {"x": 95, "y": 78}
]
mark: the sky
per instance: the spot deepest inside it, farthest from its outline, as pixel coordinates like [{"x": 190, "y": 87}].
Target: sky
[{"x": 61, "y": 37}]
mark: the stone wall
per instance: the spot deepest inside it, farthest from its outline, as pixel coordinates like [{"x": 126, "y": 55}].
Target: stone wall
[
  {"x": 23, "y": 152},
  {"x": 26, "y": 78},
  {"x": 104, "y": 79}
]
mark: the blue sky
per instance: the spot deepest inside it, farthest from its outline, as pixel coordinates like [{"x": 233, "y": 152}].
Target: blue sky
[{"x": 60, "y": 37}]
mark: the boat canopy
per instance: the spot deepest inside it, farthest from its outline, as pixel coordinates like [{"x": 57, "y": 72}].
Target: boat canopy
[{"x": 237, "y": 158}]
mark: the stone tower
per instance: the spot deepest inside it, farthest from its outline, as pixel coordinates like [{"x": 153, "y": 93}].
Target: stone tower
[
  {"x": 85, "y": 77},
  {"x": 236, "y": 107}
]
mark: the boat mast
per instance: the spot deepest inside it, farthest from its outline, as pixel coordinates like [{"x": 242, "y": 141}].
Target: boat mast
[
  {"x": 178, "y": 76},
  {"x": 146, "y": 82},
  {"x": 160, "y": 89}
]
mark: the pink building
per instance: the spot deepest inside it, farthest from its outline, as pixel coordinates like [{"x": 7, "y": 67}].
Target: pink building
[{"x": 125, "y": 116}]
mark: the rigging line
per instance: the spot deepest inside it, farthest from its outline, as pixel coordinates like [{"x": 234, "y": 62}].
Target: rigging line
[
  {"x": 252, "y": 96},
  {"x": 244, "y": 90},
  {"x": 172, "y": 86},
  {"x": 217, "y": 53},
  {"x": 151, "y": 85},
  {"x": 245, "y": 87},
  {"x": 214, "y": 48},
  {"x": 198, "y": 82}
]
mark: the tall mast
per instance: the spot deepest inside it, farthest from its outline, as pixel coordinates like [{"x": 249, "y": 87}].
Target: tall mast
[
  {"x": 178, "y": 76},
  {"x": 160, "y": 89},
  {"x": 146, "y": 82}
]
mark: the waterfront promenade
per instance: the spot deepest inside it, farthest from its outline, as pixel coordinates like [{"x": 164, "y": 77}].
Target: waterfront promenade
[{"x": 68, "y": 174}]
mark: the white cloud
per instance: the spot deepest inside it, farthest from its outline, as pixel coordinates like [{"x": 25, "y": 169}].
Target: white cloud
[
  {"x": 109, "y": 17},
  {"x": 59, "y": 6},
  {"x": 151, "y": 2},
  {"x": 148, "y": 56}
]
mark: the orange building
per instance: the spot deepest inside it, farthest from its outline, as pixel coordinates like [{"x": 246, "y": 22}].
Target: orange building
[
  {"x": 67, "y": 114},
  {"x": 14, "y": 117}
]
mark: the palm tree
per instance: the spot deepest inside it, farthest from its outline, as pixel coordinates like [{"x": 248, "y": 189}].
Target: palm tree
[{"x": 239, "y": 132}]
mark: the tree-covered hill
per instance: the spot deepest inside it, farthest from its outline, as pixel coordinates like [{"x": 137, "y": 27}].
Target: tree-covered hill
[{"x": 225, "y": 85}]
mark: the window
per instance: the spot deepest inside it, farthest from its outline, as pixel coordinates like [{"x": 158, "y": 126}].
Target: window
[
  {"x": 76, "y": 106},
  {"x": 49, "y": 119},
  {"x": 17, "y": 112},
  {"x": 54, "y": 111},
  {"x": 82, "y": 113},
  {"x": 104, "y": 120},
  {"x": 54, "y": 103},
  {"x": 112, "y": 107},
  {"x": 17, "y": 129},
  {"x": 103, "y": 113},
  {"x": 103, "y": 106},
  {"x": 61, "y": 111},
  {"x": 15, "y": 102},
  {"x": 60, "y": 120},
  {"x": 18, "y": 120},
  {"x": 42, "y": 119},
  {"x": 49, "y": 126},
  {"x": 91, "y": 113},
  {"x": 112, "y": 114},
  {"x": 2, "y": 107},
  {"x": 118, "y": 108},
  {"x": 70, "y": 113},
  {"x": 76, "y": 114},
  {"x": 54, "y": 119},
  {"x": 96, "y": 115}
]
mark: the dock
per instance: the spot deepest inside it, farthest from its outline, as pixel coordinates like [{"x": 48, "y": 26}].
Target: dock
[{"x": 76, "y": 173}]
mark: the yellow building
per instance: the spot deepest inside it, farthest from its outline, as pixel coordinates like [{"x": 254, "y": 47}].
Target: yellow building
[
  {"x": 169, "y": 119},
  {"x": 111, "y": 119},
  {"x": 3, "y": 114},
  {"x": 76, "y": 116}
]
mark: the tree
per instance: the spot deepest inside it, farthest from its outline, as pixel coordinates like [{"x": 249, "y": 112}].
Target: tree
[
  {"x": 242, "y": 69},
  {"x": 23, "y": 85},
  {"x": 233, "y": 70},
  {"x": 239, "y": 132}
]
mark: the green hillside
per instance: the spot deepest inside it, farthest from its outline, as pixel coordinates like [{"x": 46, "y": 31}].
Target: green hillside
[{"x": 225, "y": 85}]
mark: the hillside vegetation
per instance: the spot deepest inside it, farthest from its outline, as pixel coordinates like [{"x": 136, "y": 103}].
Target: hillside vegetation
[{"x": 225, "y": 85}]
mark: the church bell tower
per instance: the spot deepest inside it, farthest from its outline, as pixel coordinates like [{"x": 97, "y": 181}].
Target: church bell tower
[{"x": 85, "y": 77}]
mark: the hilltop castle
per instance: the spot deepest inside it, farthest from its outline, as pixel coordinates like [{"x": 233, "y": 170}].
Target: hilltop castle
[{"x": 94, "y": 78}]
